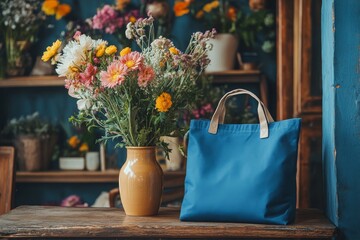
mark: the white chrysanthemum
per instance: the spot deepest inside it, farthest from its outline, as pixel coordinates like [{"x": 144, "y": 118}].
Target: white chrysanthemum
[
  {"x": 98, "y": 42},
  {"x": 73, "y": 55},
  {"x": 75, "y": 52},
  {"x": 85, "y": 42}
]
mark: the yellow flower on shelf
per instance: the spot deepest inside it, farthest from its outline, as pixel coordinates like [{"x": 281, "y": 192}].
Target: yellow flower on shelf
[
  {"x": 53, "y": 7},
  {"x": 100, "y": 50},
  {"x": 73, "y": 141},
  {"x": 174, "y": 50},
  {"x": 49, "y": 7},
  {"x": 121, "y": 4},
  {"x": 110, "y": 50},
  {"x": 62, "y": 10},
  {"x": 163, "y": 102},
  {"x": 199, "y": 14},
  {"x": 210, "y": 6},
  {"x": 84, "y": 147},
  {"x": 181, "y": 8},
  {"x": 51, "y": 51},
  {"x": 125, "y": 51}
]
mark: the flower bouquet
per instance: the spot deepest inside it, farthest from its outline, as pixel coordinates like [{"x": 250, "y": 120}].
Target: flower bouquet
[{"x": 133, "y": 96}]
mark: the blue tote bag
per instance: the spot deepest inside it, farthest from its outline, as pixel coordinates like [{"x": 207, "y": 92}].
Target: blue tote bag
[{"x": 241, "y": 172}]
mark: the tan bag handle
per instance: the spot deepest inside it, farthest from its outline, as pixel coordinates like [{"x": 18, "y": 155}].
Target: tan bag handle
[
  {"x": 223, "y": 112},
  {"x": 219, "y": 114}
]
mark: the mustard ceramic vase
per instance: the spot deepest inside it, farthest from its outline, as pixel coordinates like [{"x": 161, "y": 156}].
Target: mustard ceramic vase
[{"x": 141, "y": 182}]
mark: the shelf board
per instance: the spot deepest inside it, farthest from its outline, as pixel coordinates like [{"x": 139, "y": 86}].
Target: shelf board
[
  {"x": 108, "y": 176},
  {"x": 235, "y": 72},
  {"x": 32, "y": 81},
  {"x": 235, "y": 76}
]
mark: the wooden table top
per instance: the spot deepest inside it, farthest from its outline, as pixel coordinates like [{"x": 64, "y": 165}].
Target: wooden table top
[{"x": 54, "y": 222}]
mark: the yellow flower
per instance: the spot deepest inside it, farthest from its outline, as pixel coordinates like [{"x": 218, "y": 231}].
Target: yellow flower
[
  {"x": 210, "y": 6},
  {"x": 121, "y": 4},
  {"x": 130, "y": 63},
  {"x": 181, "y": 8},
  {"x": 49, "y": 6},
  {"x": 125, "y": 51},
  {"x": 199, "y": 14},
  {"x": 51, "y": 51},
  {"x": 132, "y": 19},
  {"x": 73, "y": 141},
  {"x": 74, "y": 69},
  {"x": 84, "y": 147},
  {"x": 162, "y": 63},
  {"x": 174, "y": 50},
  {"x": 100, "y": 50},
  {"x": 163, "y": 102},
  {"x": 110, "y": 50},
  {"x": 62, "y": 10}
]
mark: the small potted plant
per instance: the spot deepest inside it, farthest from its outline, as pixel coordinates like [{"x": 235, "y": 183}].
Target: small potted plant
[
  {"x": 34, "y": 140},
  {"x": 74, "y": 154}
]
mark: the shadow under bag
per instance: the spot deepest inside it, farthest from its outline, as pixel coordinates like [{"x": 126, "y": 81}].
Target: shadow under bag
[{"x": 241, "y": 172}]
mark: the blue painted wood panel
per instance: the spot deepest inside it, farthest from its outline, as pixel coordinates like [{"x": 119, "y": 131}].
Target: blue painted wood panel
[{"x": 341, "y": 116}]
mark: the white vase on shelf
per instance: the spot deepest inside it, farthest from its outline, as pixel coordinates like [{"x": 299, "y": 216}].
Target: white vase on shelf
[
  {"x": 223, "y": 54},
  {"x": 71, "y": 163}
]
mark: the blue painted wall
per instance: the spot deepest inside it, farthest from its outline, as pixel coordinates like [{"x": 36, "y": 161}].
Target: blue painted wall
[{"x": 341, "y": 113}]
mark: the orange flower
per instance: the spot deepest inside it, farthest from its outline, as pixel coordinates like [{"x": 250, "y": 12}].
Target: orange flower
[
  {"x": 84, "y": 147},
  {"x": 210, "y": 6},
  {"x": 73, "y": 141},
  {"x": 231, "y": 14},
  {"x": 199, "y": 14},
  {"x": 62, "y": 10},
  {"x": 121, "y": 4},
  {"x": 174, "y": 50},
  {"x": 49, "y": 6},
  {"x": 181, "y": 8},
  {"x": 163, "y": 102},
  {"x": 132, "y": 19}
]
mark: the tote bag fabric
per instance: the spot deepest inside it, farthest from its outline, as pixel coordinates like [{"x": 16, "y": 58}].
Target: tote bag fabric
[{"x": 241, "y": 172}]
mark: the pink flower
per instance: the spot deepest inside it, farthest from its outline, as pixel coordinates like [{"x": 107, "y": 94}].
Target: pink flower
[
  {"x": 77, "y": 35},
  {"x": 107, "y": 18},
  {"x": 88, "y": 76},
  {"x": 133, "y": 60},
  {"x": 115, "y": 74},
  {"x": 146, "y": 75},
  {"x": 73, "y": 201},
  {"x": 208, "y": 108}
]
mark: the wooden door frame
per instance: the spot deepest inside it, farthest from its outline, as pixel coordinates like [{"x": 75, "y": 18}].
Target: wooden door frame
[{"x": 294, "y": 99}]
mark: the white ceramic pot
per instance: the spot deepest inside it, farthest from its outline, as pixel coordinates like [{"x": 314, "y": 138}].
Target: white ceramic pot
[
  {"x": 92, "y": 161},
  {"x": 72, "y": 163},
  {"x": 222, "y": 56}
]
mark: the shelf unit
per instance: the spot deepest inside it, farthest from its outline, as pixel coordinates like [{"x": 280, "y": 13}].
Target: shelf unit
[
  {"x": 171, "y": 178},
  {"x": 32, "y": 81}
]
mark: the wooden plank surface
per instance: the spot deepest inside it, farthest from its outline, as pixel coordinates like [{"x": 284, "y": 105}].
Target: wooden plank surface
[
  {"x": 172, "y": 177},
  {"x": 41, "y": 221},
  {"x": 32, "y": 81}
]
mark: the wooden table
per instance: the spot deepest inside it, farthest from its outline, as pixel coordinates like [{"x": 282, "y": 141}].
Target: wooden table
[{"x": 58, "y": 222}]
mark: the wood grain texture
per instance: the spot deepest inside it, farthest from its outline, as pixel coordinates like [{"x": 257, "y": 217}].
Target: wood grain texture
[
  {"x": 171, "y": 178},
  {"x": 285, "y": 58},
  {"x": 32, "y": 81},
  {"x": 6, "y": 178},
  {"x": 294, "y": 81},
  {"x": 36, "y": 221}
]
